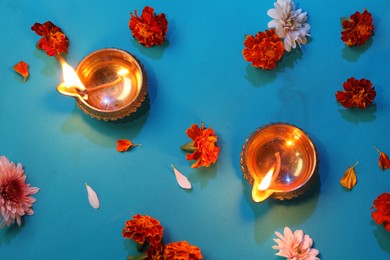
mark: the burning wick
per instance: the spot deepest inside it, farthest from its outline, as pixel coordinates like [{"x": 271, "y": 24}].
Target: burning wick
[
  {"x": 105, "y": 85},
  {"x": 272, "y": 174},
  {"x": 71, "y": 80}
]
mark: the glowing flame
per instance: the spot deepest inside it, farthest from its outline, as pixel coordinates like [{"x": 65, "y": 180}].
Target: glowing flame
[
  {"x": 71, "y": 80},
  {"x": 266, "y": 182}
]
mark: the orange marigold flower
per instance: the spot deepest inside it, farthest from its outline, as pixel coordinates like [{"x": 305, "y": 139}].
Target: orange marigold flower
[
  {"x": 53, "y": 41},
  {"x": 182, "y": 251},
  {"x": 264, "y": 49},
  {"x": 143, "y": 229},
  {"x": 357, "y": 29},
  {"x": 149, "y": 29},
  {"x": 155, "y": 253},
  {"x": 358, "y": 93},
  {"x": 382, "y": 207},
  {"x": 205, "y": 144}
]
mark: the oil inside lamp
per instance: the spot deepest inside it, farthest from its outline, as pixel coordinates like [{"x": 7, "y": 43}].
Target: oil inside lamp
[{"x": 279, "y": 160}]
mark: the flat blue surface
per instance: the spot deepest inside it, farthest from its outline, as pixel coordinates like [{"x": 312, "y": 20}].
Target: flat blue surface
[{"x": 198, "y": 75}]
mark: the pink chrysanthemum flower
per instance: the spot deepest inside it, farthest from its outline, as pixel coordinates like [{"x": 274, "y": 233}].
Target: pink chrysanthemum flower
[
  {"x": 295, "y": 246},
  {"x": 15, "y": 193}
]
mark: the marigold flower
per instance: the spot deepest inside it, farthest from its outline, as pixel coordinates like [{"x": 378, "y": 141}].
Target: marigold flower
[
  {"x": 264, "y": 49},
  {"x": 290, "y": 24},
  {"x": 182, "y": 251},
  {"x": 149, "y": 29},
  {"x": 143, "y": 228},
  {"x": 358, "y": 93},
  {"x": 53, "y": 41},
  {"x": 382, "y": 207},
  {"x": 15, "y": 193},
  {"x": 357, "y": 29},
  {"x": 294, "y": 246},
  {"x": 155, "y": 253},
  {"x": 204, "y": 141}
]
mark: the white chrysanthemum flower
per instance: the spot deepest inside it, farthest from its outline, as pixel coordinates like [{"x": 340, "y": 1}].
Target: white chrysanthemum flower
[{"x": 290, "y": 24}]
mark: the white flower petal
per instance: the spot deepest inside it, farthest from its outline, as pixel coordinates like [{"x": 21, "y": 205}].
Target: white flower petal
[
  {"x": 273, "y": 14},
  {"x": 92, "y": 197}
]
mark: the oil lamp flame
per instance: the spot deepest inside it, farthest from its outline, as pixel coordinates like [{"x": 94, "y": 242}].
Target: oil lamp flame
[
  {"x": 261, "y": 190},
  {"x": 266, "y": 182},
  {"x": 71, "y": 80}
]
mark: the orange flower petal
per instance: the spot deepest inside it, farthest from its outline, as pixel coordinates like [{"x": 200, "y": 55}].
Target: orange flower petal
[
  {"x": 383, "y": 161},
  {"x": 123, "y": 145},
  {"x": 22, "y": 69},
  {"x": 349, "y": 178}
]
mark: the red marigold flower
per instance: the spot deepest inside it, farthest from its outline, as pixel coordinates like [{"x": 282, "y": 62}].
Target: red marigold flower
[
  {"x": 15, "y": 194},
  {"x": 143, "y": 228},
  {"x": 358, "y": 93},
  {"x": 264, "y": 49},
  {"x": 149, "y": 29},
  {"x": 205, "y": 144},
  {"x": 357, "y": 29},
  {"x": 53, "y": 41},
  {"x": 182, "y": 251},
  {"x": 382, "y": 213},
  {"x": 155, "y": 253}
]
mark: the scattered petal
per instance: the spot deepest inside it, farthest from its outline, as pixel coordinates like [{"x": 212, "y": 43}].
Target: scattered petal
[
  {"x": 383, "y": 160},
  {"x": 92, "y": 197},
  {"x": 181, "y": 179},
  {"x": 349, "y": 178},
  {"x": 123, "y": 145},
  {"x": 22, "y": 69}
]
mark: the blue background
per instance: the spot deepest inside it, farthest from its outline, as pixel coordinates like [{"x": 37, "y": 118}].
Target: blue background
[{"x": 197, "y": 75}]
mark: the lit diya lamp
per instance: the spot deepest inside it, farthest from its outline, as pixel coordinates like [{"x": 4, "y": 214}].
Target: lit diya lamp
[
  {"x": 108, "y": 84},
  {"x": 279, "y": 160}
]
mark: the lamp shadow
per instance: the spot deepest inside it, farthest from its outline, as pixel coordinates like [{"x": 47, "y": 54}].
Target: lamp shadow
[{"x": 284, "y": 213}]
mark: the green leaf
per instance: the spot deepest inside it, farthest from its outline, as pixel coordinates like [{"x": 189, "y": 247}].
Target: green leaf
[
  {"x": 188, "y": 147},
  {"x": 138, "y": 257}
]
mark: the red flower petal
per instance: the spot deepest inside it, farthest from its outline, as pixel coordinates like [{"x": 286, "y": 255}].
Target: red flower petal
[{"x": 383, "y": 161}]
